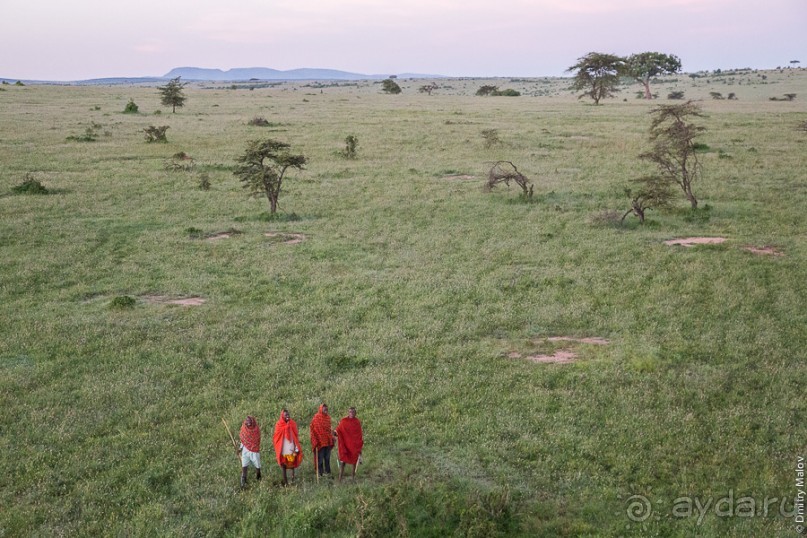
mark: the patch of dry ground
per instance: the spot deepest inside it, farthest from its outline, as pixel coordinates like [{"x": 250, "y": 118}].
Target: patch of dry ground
[
  {"x": 764, "y": 250},
  {"x": 560, "y": 356},
  {"x": 692, "y": 241},
  {"x": 218, "y": 236},
  {"x": 459, "y": 177},
  {"x": 286, "y": 238},
  {"x": 180, "y": 301}
]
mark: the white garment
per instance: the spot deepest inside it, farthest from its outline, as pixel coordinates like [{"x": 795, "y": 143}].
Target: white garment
[
  {"x": 248, "y": 457},
  {"x": 288, "y": 447}
]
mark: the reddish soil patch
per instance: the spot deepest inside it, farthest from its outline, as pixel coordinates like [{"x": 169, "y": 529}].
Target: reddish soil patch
[
  {"x": 692, "y": 241},
  {"x": 181, "y": 301},
  {"x": 287, "y": 238},
  {"x": 763, "y": 250},
  {"x": 561, "y": 356},
  {"x": 595, "y": 340}
]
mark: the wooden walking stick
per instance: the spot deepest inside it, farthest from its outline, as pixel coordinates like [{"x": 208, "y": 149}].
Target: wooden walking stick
[
  {"x": 235, "y": 445},
  {"x": 316, "y": 462}
]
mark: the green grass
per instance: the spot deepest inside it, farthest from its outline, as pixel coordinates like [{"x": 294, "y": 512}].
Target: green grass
[{"x": 405, "y": 300}]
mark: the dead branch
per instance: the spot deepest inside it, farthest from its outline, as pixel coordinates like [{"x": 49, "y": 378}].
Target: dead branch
[{"x": 505, "y": 172}]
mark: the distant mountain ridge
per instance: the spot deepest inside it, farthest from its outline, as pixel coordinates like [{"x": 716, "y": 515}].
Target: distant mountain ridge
[{"x": 265, "y": 73}]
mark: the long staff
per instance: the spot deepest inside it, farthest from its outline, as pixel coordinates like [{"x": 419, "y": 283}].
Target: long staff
[
  {"x": 316, "y": 462},
  {"x": 235, "y": 446}
]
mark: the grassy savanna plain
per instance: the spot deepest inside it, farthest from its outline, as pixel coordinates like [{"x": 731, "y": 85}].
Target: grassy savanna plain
[{"x": 411, "y": 298}]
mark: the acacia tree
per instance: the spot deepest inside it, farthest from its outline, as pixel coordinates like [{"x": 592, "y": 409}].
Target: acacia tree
[
  {"x": 598, "y": 73},
  {"x": 428, "y": 88},
  {"x": 646, "y": 65},
  {"x": 654, "y": 191},
  {"x": 172, "y": 94},
  {"x": 673, "y": 152},
  {"x": 263, "y": 167},
  {"x": 487, "y": 89}
]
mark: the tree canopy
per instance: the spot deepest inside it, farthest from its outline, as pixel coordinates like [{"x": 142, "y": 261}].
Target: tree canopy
[
  {"x": 674, "y": 151},
  {"x": 390, "y": 86},
  {"x": 263, "y": 166},
  {"x": 172, "y": 94},
  {"x": 646, "y": 65},
  {"x": 597, "y": 73}
]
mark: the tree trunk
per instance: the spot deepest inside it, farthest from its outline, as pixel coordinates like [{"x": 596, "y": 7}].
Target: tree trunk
[
  {"x": 647, "y": 94},
  {"x": 272, "y": 202}
]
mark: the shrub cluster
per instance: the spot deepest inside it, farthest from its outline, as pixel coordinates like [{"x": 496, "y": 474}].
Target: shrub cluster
[
  {"x": 156, "y": 134},
  {"x": 30, "y": 186}
]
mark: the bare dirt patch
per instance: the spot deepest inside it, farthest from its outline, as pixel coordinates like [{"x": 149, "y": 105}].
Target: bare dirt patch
[
  {"x": 594, "y": 340},
  {"x": 561, "y": 356},
  {"x": 180, "y": 301},
  {"x": 286, "y": 238},
  {"x": 764, "y": 250},
  {"x": 459, "y": 177},
  {"x": 218, "y": 236},
  {"x": 692, "y": 241},
  {"x": 558, "y": 356}
]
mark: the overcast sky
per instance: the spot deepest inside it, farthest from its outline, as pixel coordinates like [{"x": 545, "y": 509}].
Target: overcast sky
[{"x": 82, "y": 39}]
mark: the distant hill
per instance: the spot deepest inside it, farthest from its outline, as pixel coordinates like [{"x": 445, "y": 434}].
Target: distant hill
[{"x": 265, "y": 73}]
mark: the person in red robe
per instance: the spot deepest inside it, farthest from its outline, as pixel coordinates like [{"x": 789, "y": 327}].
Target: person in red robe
[
  {"x": 250, "y": 436},
  {"x": 351, "y": 442},
  {"x": 322, "y": 439},
  {"x": 287, "y": 444}
]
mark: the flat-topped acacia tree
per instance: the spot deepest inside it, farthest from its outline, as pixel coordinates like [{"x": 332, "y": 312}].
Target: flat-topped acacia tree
[
  {"x": 263, "y": 167},
  {"x": 597, "y": 73},
  {"x": 644, "y": 66}
]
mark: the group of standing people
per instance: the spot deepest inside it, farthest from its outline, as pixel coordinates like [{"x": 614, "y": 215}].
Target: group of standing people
[{"x": 347, "y": 437}]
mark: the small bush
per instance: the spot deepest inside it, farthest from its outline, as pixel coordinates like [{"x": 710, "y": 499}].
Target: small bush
[
  {"x": 131, "y": 107},
  {"x": 90, "y": 134},
  {"x": 700, "y": 147},
  {"x": 19, "y": 83},
  {"x": 507, "y": 93},
  {"x": 122, "y": 302},
  {"x": 732, "y": 97},
  {"x": 30, "y": 186},
  {"x": 675, "y": 95},
  {"x": 194, "y": 233},
  {"x": 258, "y": 121},
  {"x": 204, "y": 181},
  {"x": 716, "y": 95},
  {"x": 351, "y": 145},
  {"x": 156, "y": 134},
  {"x": 180, "y": 162},
  {"x": 491, "y": 137}
]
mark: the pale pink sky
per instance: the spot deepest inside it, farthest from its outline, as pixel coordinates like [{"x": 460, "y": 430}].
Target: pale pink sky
[{"x": 81, "y": 39}]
